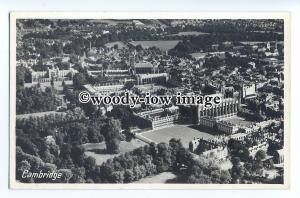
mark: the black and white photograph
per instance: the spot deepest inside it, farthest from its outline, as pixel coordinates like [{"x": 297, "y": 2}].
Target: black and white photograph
[{"x": 160, "y": 100}]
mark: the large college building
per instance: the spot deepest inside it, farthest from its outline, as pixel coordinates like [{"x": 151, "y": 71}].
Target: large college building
[
  {"x": 227, "y": 107},
  {"x": 152, "y": 78}
]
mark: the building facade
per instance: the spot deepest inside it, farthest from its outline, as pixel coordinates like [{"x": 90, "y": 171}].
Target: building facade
[
  {"x": 227, "y": 107},
  {"x": 152, "y": 78},
  {"x": 220, "y": 125}
]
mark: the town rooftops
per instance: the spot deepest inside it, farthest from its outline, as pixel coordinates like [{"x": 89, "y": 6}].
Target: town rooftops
[{"x": 143, "y": 65}]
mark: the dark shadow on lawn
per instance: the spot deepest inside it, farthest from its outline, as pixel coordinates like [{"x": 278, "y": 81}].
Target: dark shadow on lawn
[
  {"x": 179, "y": 179},
  {"x": 204, "y": 129},
  {"x": 98, "y": 151}
]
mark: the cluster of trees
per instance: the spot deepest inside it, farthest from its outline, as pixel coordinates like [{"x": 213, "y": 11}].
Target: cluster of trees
[
  {"x": 41, "y": 146},
  {"x": 257, "y": 110},
  {"x": 154, "y": 159},
  {"x": 273, "y": 89},
  {"x": 34, "y": 99},
  {"x": 125, "y": 115},
  {"x": 228, "y": 26},
  {"x": 204, "y": 42},
  {"x": 111, "y": 132},
  {"x": 61, "y": 151},
  {"x": 53, "y": 33},
  {"x": 213, "y": 63},
  {"x": 41, "y": 47},
  {"x": 72, "y": 127},
  {"x": 32, "y": 125},
  {"x": 56, "y": 146},
  {"x": 53, "y": 142},
  {"x": 70, "y": 161},
  {"x": 237, "y": 149},
  {"x": 207, "y": 173},
  {"x": 23, "y": 75},
  {"x": 79, "y": 80},
  {"x": 78, "y": 47},
  {"x": 83, "y": 78},
  {"x": 232, "y": 61},
  {"x": 251, "y": 170}
]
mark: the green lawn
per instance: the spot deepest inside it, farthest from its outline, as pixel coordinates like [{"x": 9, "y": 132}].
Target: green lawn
[
  {"x": 190, "y": 33},
  {"x": 97, "y": 150},
  {"x": 119, "y": 43},
  {"x": 183, "y": 132},
  {"x": 162, "y": 45},
  {"x": 38, "y": 114},
  {"x": 157, "y": 179}
]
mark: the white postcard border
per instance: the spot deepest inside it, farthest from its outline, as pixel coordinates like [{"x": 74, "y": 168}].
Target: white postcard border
[{"x": 150, "y": 15}]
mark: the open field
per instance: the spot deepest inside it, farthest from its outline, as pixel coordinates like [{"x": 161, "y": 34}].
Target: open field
[
  {"x": 163, "y": 45},
  {"x": 157, "y": 179},
  {"x": 111, "y": 21},
  {"x": 98, "y": 150},
  {"x": 120, "y": 44},
  {"x": 198, "y": 55},
  {"x": 38, "y": 114},
  {"x": 258, "y": 42},
  {"x": 190, "y": 33},
  {"x": 183, "y": 132}
]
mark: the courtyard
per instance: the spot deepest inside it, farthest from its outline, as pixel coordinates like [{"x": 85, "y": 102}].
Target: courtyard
[
  {"x": 238, "y": 121},
  {"x": 185, "y": 133}
]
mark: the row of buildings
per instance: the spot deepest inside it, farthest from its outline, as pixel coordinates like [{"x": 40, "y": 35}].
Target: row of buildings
[{"x": 160, "y": 117}]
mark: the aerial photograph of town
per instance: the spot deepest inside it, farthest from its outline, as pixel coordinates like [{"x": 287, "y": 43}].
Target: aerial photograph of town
[{"x": 170, "y": 101}]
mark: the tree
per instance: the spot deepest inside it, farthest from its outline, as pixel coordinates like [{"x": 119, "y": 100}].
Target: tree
[
  {"x": 65, "y": 156},
  {"x": 200, "y": 179},
  {"x": 66, "y": 175},
  {"x": 27, "y": 145},
  {"x": 76, "y": 133},
  {"x": 124, "y": 114},
  {"x": 89, "y": 108},
  {"x": 52, "y": 82},
  {"x": 79, "y": 80},
  {"x": 220, "y": 176},
  {"x": 21, "y": 167},
  {"x": 34, "y": 99},
  {"x": 118, "y": 177},
  {"x": 128, "y": 85},
  {"x": 183, "y": 158},
  {"x": 111, "y": 133},
  {"x": 23, "y": 75},
  {"x": 106, "y": 171},
  {"x": 260, "y": 155},
  {"x": 90, "y": 166},
  {"x": 174, "y": 145},
  {"x": 238, "y": 150},
  {"x": 78, "y": 175},
  {"x": 94, "y": 135},
  {"x": 225, "y": 177},
  {"x": 258, "y": 167},
  {"x": 237, "y": 170},
  {"x": 163, "y": 158},
  {"x": 128, "y": 176},
  {"x": 77, "y": 154}
]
